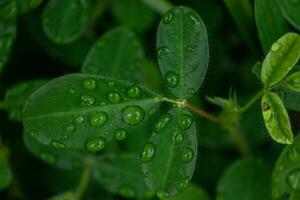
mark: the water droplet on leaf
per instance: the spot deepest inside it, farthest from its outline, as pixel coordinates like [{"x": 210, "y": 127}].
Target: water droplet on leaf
[
  {"x": 69, "y": 128},
  {"x": 134, "y": 91},
  {"x": 194, "y": 17},
  {"x": 162, "y": 123},
  {"x": 57, "y": 144},
  {"x": 178, "y": 138},
  {"x": 161, "y": 194},
  {"x": 172, "y": 79},
  {"x": 72, "y": 91},
  {"x": 185, "y": 121},
  {"x": 120, "y": 134},
  {"x": 96, "y": 144},
  {"x": 275, "y": 47},
  {"x": 33, "y": 134},
  {"x": 133, "y": 115},
  {"x": 191, "y": 91},
  {"x": 79, "y": 119},
  {"x": 89, "y": 84},
  {"x": 148, "y": 152},
  {"x": 183, "y": 184},
  {"x": 114, "y": 97},
  {"x": 98, "y": 119},
  {"x": 187, "y": 154},
  {"x": 87, "y": 100},
  {"x": 161, "y": 51},
  {"x": 168, "y": 17}
]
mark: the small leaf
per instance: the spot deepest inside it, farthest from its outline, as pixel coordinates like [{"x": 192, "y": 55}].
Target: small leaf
[
  {"x": 64, "y": 196},
  {"x": 5, "y": 172},
  {"x": 8, "y": 16},
  {"x": 192, "y": 192},
  {"x": 122, "y": 175},
  {"x": 291, "y": 99},
  {"x": 182, "y": 49},
  {"x": 244, "y": 180},
  {"x": 282, "y": 57},
  {"x": 286, "y": 173},
  {"x": 290, "y": 10},
  {"x": 293, "y": 81},
  {"x": 17, "y": 95},
  {"x": 270, "y": 22},
  {"x": 133, "y": 14},
  {"x": 276, "y": 118},
  {"x": 27, "y": 5},
  {"x": 256, "y": 69},
  {"x": 65, "y": 21},
  {"x": 79, "y": 111},
  {"x": 170, "y": 155}
]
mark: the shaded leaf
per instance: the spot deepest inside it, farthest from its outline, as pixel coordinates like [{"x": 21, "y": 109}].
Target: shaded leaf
[
  {"x": 65, "y": 21},
  {"x": 27, "y": 5},
  {"x": 245, "y": 179},
  {"x": 276, "y": 118},
  {"x": 282, "y": 57},
  {"x": 256, "y": 69},
  {"x": 290, "y": 10},
  {"x": 291, "y": 99},
  {"x": 5, "y": 172},
  {"x": 170, "y": 155},
  {"x": 81, "y": 111},
  {"x": 192, "y": 192},
  {"x": 182, "y": 49},
  {"x": 293, "y": 81}
]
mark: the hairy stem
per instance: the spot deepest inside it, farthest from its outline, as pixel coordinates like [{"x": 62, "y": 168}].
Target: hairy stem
[
  {"x": 203, "y": 113},
  {"x": 160, "y": 6},
  {"x": 252, "y": 101}
]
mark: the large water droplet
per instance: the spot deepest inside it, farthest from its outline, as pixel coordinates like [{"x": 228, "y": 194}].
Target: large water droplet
[
  {"x": 185, "y": 121},
  {"x": 293, "y": 179},
  {"x": 194, "y": 17},
  {"x": 187, "y": 154},
  {"x": 127, "y": 192},
  {"x": 48, "y": 157},
  {"x": 148, "y": 152},
  {"x": 161, "y": 51},
  {"x": 134, "y": 91},
  {"x": 114, "y": 97},
  {"x": 57, "y": 144},
  {"x": 70, "y": 128},
  {"x": 293, "y": 154},
  {"x": 172, "y": 79},
  {"x": 168, "y": 17},
  {"x": 98, "y": 119},
  {"x": 276, "y": 47},
  {"x": 87, "y": 100},
  {"x": 133, "y": 115},
  {"x": 162, "y": 123},
  {"x": 120, "y": 134},
  {"x": 89, "y": 84},
  {"x": 161, "y": 194},
  {"x": 178, "y": 138},
  {"x": 96, "y": 144}
]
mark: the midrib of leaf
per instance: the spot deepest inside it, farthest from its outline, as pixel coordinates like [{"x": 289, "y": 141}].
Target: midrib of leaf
[
  {"x": 118, "y": 55},
  {"x": 91, "y": 109},
  {"x": 182, "y": 79}
]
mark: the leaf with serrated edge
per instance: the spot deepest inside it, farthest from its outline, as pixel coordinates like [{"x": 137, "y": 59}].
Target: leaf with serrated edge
[
  {"x": 85, "y": 108},
  {"x": 170, "y": 155},
  {"x": 182, "y": 49},
  {"x": 282, "y": 57},
  {"x": 276, "y": 118}
]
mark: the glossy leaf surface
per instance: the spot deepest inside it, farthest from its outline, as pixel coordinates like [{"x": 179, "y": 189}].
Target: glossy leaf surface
[
  {"x": 192, "y": 192},
  {"x": 83, "y": 111},
  {"x": 290, "y": 10},
  {"x": 65, "y": 21},
  {"x": 276, "y": 118},
  {"x": 282, "y": 57},
  {"x": 182, "y": 50},
  {"x": 173, "y": 143},
  {"x": 27, "y": 5}
]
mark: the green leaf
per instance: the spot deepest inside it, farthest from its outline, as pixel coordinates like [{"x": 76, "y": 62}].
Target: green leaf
[
  {"x": 61, "y": 158},
  {"x": 290, "y": 10},
  {"x": 64, "y": 196},
  {"x": 295, "y": 196},
  {"x": 115, "y": 54},
  {"x": 282, "y": 57},
  {"x": 27, "y": 5},
  {"x": 291, "y": 99},
  {"x": 293, "y": 81},
  {"x": 121, "y": 174},
  {"x": 8, "y": 16},
  {"x": 65, "y": 21},
  {"x": 286, "y": 173},
  {"x": 243, "y": 180},
  {"x": 17, "y": 95},
  {"x": 82, "y": 112},
  {"x": 276, "y": 118},
  {"x": 133, "y": 14},
  {"x": 5, "y": 172},
  {"x": 192, "y": 192},
  {"x": 169, "y": 157},
  {"x": 270, "y": 22},
  {"x": 182, "y": 49},
  {"x": 256, "y": 69}
]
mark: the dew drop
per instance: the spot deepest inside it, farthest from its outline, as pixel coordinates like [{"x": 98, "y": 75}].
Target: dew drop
[
  {"x": 172, "y": 79},
  {"x": 178, "y": 138},
  {"x": 187, "y": 155},
  {"x": 293, "y": 154},
  {"x": 183, "y": 184},
  {"x": 79, "y": 119},
  {"x": 162, "y": 123},
  {"x": 127, "y": 192},
  {"x": 168, "y": 17},
  {"x": 87, "y": 100},
  {"x": 48, "y": 157},
  {"x": 57, "y": 144},
  {"x": 161, "y": 194},
  {"x": 120, "y": 134},
  {"x": 33, "y": 134},
  {"x": 98, "y": 119},
  {"x": 148, "y": 152},
  {"x": 185, "y": 121},
  {"x": 111, "y": 83},
  {"x": 96, "y": 144},
  {"x": 133, "y": 115},
  {"x": 70, "y": 128},
  {"x": 275, "y": 47},
  {"x": 194, "y": 17},
  {"x": 191, "y": 91},
  {"x": 89, "y": 84},
  {"x": 72, "y": 91},
  {"x": 114, "y": 97},
  {"x": 161, "y": 51},
  {"x": 293, "y": 179},
  {"x": 134, "y": 91}
]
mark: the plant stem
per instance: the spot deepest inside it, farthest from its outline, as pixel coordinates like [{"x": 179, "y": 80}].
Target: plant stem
[
  {"x": 160, "y": 6},
  {"x": 201, "y": 112},
  {"x": 84, "y": 180},
  {"x": 240, "y": 141},
  {"x": 252, "y": 101}
]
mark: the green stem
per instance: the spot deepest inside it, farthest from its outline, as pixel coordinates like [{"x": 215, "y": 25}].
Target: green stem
[
  {"x": 160, "y": 6},
  {"x": 252, "y": 101},
  {"x": 84, "y": 180},
  {"x": 240, "y": 141}
]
